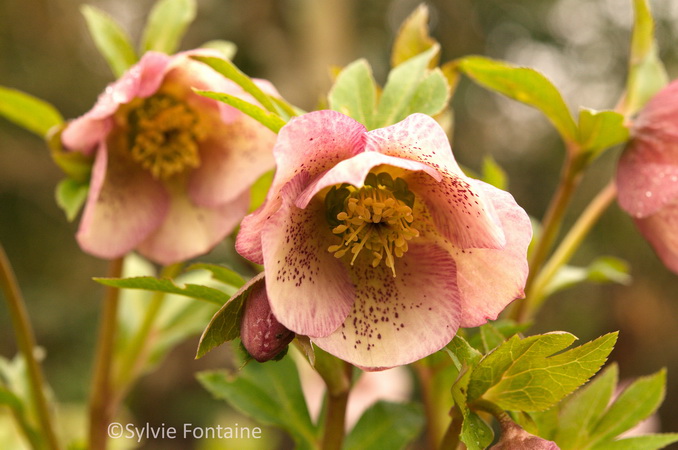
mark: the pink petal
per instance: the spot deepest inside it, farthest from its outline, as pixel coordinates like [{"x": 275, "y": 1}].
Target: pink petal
[
  {"x": 660, "y": 230},
  {"x": 355, "y": 169},
  {"x": 190, "y": 230},
  {"x": 142, "y": 80},
  {"x": 490, "y": 279},
  {"x": 418, "y": 138},
  {"x": 124, "y": 205},
  {"x": 308, "y": 288},
  {"x": 398, "y": 320}
]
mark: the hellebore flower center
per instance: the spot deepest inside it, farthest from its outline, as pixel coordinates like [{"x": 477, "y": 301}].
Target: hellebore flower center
[
  {"x": 163, "y": 134},
  {"x": 376, "y": 218}
]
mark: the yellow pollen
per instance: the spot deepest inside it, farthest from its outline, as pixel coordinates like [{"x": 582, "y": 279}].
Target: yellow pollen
[
  {"x": 375, "y": 220},
  {"x": 164, "y": 135}
]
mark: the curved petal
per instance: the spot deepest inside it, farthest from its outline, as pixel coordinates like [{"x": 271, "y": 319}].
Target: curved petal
[
  {"x": 308, "y": 288},
  {"x": 123, "y": 207},
  {"x": 355, "y": 169},
  {"x": 190, "y": 230},
  {"x": 142, "y": 80},
  {"x": 490, "y": 279},
  {"x": 418, "y": 138},
  {"x": 398, "y": 320},
  {"x": 660, "y": 230}
]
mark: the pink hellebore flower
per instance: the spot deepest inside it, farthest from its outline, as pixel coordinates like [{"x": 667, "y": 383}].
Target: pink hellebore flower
[
  {"x": 647, "y": 175},
  {"x": 172, "y": 169},
  {"x": 376, "y": 245}
]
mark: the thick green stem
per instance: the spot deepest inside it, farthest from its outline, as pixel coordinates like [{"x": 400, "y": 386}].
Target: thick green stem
[
  {"x": 26, "y": 343},
  {"x": 570, "y": 244},
  {"x": 100, "y": 409},
  {"x": 434, "y": 420},
  {"x": 335, "y": 421},
  {"x": 337, "y": 376}
]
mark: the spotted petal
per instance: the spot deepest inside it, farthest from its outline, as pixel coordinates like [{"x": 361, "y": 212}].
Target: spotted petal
[{"x": 398, "y": 320}]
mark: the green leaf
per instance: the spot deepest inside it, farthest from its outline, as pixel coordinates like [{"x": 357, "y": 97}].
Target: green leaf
[
  {"x": 167, "y": 24},
  {"x": 522, "y": 374},
  {"x": 648, "y": 442},
  {"x": 475, "y": 433},
  {"x": 76, "y": 165},
  {"x": 525, "y": 85},
  {"x": 227, "y": 48},
  {"x": 462, "y": 352},
  {"x": 33, "y": 114},
  {"x": 259, "y": 190},
  {"x": 646, "y": 72},
  {"x": 582, "y": 411},
  {"x": 355, "y": 93},
  {"x": 606, "y": 269},
  {"x": 636, "y": 403},
  {"x": 208, "y": 294},
  {"x": 494, "y": 174},
  {"x": 230, "y": 71},
  {"x": 402, "y": 85},
  {"x": 220, "y": 273},
  {"x": 413, "y": 37},
  {"x": 491, "y": 337},
  {"x": 431, "y": 96},
  {"x": 110, "y": 39},
  {"x": 269, "y": 393},
  {"x": 270, "y": 120},
  {"x": 225, "y": 324},
  {"x": 71, "y": 195},
  {"x": 600, "y": 130},
  {"x": 386, "y": 426}
]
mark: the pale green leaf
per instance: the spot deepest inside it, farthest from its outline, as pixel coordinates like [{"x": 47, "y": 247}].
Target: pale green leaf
[
  {"x": 227, "y": 48},
  {"x": 167, "y": 24},
  {"x": 647, "y": 442},
  {"x": 600, "y": 130},
  {"x": 111, "y": 40},
  {"x": 386, "y": 426},
  {"x": 70, "y": 196},
  {"x": 355, "y": 93},
  {"x": 525, "y": 375},
  {"x": 524, "y": 85},
  {"x": 605, "y": 269},
  {"x": 413, "y": 37},
  {"x": 259, "y": 190},
  {"x": 269, "y": 393},
  {"x": 33, "y": 114},
  {"x": 475, "y": 433},
  {"x": 494, "y": 174},
  {"x": 637, "y": 402},
  {"x": 225, "y": 324},
  {"x": 581, "y": 412},
  {"x": 220, "y": 273},
  {"x": 463, "y": 354},
  {"x": 199, "y": 292},
  {"x": 490, "y": 337},
  {"x": 270, "y": 120},
  {"x": 431, "y": 95}
]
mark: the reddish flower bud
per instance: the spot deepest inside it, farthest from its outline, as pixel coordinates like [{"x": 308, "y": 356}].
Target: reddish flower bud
[
  {"x": 647, "y": 175},
  {"x": 261, "y": 333},
  {"x": 515, "y": 438}
]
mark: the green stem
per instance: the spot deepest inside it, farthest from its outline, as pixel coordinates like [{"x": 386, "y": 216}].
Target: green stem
[
  {"x": 26, "y": 343},
  {"x": 451, "y": 438},
  {"x": 569, "y": 181},
  {"x": 570, "y": 244},
  {"x": 489, "y": 407},
  {"x": 101, "y": 411},
  {"x": 335, "y": 421},
  {"x": 434, "y": 421}
]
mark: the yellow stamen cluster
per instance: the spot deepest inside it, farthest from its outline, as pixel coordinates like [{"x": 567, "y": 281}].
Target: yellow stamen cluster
[
  {"x": 164, "y": 136},
  {"x": 375, "y": 220}
]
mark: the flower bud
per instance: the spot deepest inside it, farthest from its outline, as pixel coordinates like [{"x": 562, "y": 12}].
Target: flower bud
[
  {"x": 261, "y": 333},
  {"x": 513, "y": 437}
]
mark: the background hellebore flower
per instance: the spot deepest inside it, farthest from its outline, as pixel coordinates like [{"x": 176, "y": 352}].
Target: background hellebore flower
[
  {"x": 172, "y": 169},
  {"x": 647, "y": 175},
  {"x": 376, "y": 245}
]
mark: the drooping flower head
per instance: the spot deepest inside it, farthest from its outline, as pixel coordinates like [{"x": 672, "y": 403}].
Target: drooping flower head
[
  {"x": 376, "y": 245},
  {"x": 647, "y": 174},
  {"x": 172, "y": 169}
]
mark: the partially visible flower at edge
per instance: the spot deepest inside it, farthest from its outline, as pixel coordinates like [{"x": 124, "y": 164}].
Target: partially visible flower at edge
[
  {"x": 647, "y": 174},
  {"x": 172, "y": 169},
  {"x": 376, "y": 245}
]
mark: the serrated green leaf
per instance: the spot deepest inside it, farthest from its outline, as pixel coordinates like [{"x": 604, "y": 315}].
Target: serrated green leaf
[
  {"x": 524, "y": 85},
  {"x": 413, "y": 37},
  {"x": 636, "y": 403},
  {"x": 647, "y": 74},
  {"x": 167, "y": 24},
  {"x": 110, "y": 39},
  {"x": 490, "y": 337},
  {"x": 355, "y": 93},
  {"x": 475, "y": 433},
  {"x": 386, "y": 425},
  {"x": 600, "y": 130},
  {"x": 522, "y": 375},
  {"x": 647, "y": 442},
  {"x": 259, "y": 190},
  {"x": 199, "y": 292},
  {"x": 494, "y": 174},
  {"x": 431, "y": 96},
  {"x": 606, "y": 269},
  {"x": 582, "y": 411},
  {"x": 227, "y": 48},
  {"x": 270, "y": 120},
  {"x": 31, "y": 113},
  {"x": 225, "y": 324},
  {"x": 269, "y": 393},
  {"x": 401, "y": 86},
  {"x": 463, "y": 353},
  {"x": 70, "y": 196},
  {"x": 220, "y": 273}
]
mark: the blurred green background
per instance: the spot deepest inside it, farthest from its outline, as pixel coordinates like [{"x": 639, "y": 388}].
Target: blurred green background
[{"x": 580, "y": 45}]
